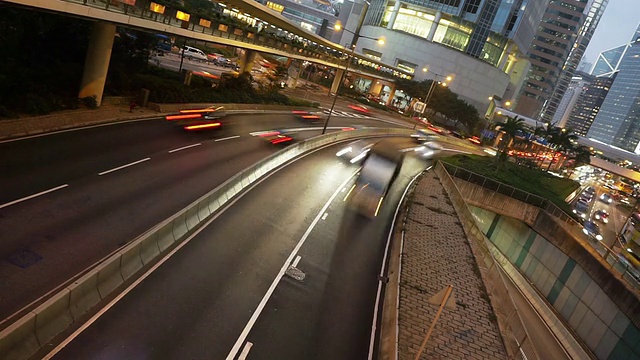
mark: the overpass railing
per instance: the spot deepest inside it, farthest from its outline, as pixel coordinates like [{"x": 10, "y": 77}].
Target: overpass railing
[
  {"x": 616, "y": 260},
  {"x": 226, "y": 27}
]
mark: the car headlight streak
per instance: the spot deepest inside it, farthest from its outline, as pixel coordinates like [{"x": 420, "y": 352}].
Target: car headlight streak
[{"x": 344, "y": 151}]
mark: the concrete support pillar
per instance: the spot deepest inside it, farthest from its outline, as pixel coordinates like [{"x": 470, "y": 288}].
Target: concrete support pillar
[
  {"x": 394, "y": 14},
  {"x": 392, "y": 93},
  {"x": 294, "y": 73},
  {"x": 434, "y": 26},
  {"x": 247, "y": 61},
  {"x": 96, "y": 64},
  {"x": 376, "y": 87},
  {"x": 336, "y": 81},
  {"x": 505, "y": 57}
]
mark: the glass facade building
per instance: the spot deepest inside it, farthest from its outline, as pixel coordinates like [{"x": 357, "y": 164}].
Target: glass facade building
[
  {"x": 593, "y": 13},
  {"x": 561, "y": 39},
  {"x": 608, "y": 61},
  {"x": 588, "y": 105},
  {"x": 618, "y": 122},
  {"x": 479, "y": 28}
]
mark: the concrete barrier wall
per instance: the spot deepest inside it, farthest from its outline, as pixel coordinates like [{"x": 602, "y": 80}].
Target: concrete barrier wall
[
  {"x": 590, "y": 309},
  {"x": 28, "y": 334},
  {"x": 570, "y": 240},
  {"x": 500, "y": 204}
]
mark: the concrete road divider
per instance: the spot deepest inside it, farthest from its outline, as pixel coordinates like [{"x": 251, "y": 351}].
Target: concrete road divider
[
  {"x": 29, "y": 333},
  {"x": 83, "y": 294}
]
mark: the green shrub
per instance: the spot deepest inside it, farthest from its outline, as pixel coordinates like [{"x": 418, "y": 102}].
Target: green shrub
[
  {"x": 90, "y": 101},
  {"x": 35, "y": 104},
  {"x": 534, "y": 181}
]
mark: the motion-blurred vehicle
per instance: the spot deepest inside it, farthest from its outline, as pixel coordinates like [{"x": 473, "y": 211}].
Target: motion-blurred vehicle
[
  {"x": 360, "y": 108},
  {"x": 581, "y": 209},
  {"x": 590, "y": 190},
  {"x": 438, "y": 129},
  {"x": 606, "y": 198},
  {"x": 355, "y": 151},
  {"x": 601, "y": 215},
  {"x": 422, "y": 136},
  {"x": 198, "y": 119},
  {"x": 591, "y": 229},
  {"x": 475, "y": 140},
  {"x": 277, "y": 137},
  {"x": 306, "y": 116},
  {"x": 429, "y": 149},
  {"x": 380, "y": 168}
]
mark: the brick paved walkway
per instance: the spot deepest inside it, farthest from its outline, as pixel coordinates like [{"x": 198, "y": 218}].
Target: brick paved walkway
[{"x": 436, "y": 253}]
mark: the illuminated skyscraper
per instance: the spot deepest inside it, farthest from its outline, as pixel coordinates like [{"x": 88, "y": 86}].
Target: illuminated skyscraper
[
  {"x": 618, "y": 122},
  {"x": 562, "y": 36}
]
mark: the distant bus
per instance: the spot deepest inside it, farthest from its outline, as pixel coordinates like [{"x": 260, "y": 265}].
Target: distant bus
[
  {"x": 379, "y": 170},
  {"x": 164, "y": 43}
]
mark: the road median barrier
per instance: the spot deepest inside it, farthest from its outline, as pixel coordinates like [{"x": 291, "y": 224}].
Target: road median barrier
[{"x": 25, "y": 336}]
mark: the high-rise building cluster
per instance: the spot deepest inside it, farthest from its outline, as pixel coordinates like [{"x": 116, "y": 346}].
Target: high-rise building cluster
[{"x": 522, "y": 54}]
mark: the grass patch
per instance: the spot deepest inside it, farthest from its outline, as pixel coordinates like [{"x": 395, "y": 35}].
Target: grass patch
[{"x": 534, "y": 181}]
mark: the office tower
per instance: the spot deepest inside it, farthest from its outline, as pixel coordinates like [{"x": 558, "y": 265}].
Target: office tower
[
  {"x": 592, "y": 15},
  {"x": 588, "y": 105},
  {"x": 618, "y": 122},
  {"x": 608, "y": 61},
  {"x": 577, "y": 86},
  {"x": 562, "y": 36}
]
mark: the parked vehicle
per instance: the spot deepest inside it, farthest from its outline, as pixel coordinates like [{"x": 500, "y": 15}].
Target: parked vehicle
[{"x": 192, "y": 53}]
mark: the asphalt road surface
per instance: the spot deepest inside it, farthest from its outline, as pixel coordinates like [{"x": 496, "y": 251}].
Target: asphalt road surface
[
  {"x": 73, "y": 197},
  {"x": 223, "y": 293}
]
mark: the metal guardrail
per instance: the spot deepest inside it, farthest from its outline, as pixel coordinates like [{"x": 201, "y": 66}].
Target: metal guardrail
[
  {"x": 515, "y": 336},
  {"x": 617, "y": 262},
  {"x": 141, "y": 9},
  {"x": 29, "y": 333}
]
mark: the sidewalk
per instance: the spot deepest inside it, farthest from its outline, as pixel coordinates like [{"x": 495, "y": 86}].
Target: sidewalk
[
  {"x": 61, "y": 120},
  {"x": 436, "y": 253}
]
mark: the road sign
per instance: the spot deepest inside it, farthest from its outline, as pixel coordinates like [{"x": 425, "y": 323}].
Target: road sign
[{"x": 419, "y": 107}]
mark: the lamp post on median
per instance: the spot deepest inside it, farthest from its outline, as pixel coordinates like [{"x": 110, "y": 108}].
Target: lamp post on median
[
  {"x": 432, "y": 88},
  {"x": 338, "y": 27}
]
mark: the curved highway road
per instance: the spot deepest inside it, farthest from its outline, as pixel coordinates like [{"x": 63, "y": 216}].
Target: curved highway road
[
  {"x": 223, "y": 294},
  {"x": 111, "y": 184}
]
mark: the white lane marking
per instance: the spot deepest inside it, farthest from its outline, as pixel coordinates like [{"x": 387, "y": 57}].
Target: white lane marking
[
  {"x": 101, "y": 312},
  {"x": 34, "y": 195},
  {"x": 343, "y": 190},
  {"x": 324, "y": 217},
  {"x": 294, "y": 252},
  {"x": 384, "y": 264},
  {"x": 124, "y": 166},
  {"x": 245, "y": 351},
  {"x": 227, "y": 138},
  {"x": 296, "y": 261},
  {"x": 184, "y": 147}
]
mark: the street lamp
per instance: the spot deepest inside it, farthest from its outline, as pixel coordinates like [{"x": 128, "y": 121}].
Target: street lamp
[
  {"x": 432, "y": 88},
  {"x": 339, "y": 27}
]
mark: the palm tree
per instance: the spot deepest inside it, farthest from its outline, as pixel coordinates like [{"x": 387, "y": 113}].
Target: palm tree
[
  {"x": 510, "y": 128},
  {"x": 563, "y": 141}
]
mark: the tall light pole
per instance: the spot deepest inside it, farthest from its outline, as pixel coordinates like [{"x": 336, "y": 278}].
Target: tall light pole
[
  {"x": 432, "y": 88},
  {"x": 338, "y": 27}
]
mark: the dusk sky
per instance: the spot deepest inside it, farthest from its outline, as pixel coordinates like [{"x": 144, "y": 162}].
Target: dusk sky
[{"x": 616, "y": 27}]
